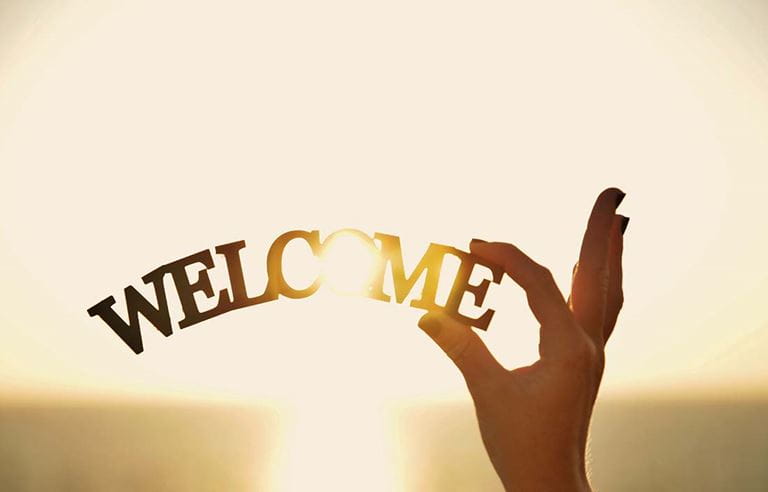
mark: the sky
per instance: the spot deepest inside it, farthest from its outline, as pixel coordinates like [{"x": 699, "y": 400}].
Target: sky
[{"x": 136, "y": 133}]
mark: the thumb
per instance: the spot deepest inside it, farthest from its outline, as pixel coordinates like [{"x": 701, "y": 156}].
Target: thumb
[{"x": 461, "y": 344}]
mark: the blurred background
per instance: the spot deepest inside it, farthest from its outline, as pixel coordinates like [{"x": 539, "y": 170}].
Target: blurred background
[{"x": 136, "y": 133}]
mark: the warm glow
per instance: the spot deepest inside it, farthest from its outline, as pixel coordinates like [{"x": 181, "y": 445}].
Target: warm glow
[
  {"x": 134, "y": 133},
  {"x": 349, "y": 262},
  {"x": 326, "y": 448}
]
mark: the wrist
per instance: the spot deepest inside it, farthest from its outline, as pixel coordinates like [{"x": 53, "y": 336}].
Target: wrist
[
  {"x": 546, "y": 475},
  {"x": 548, "y": 482}
]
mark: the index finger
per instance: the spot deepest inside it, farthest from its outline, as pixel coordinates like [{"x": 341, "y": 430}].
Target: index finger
[{"x": 544, "y": 298}]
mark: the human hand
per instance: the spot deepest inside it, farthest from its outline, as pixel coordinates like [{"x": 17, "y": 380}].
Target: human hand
[{"x": 534, "y": 420}]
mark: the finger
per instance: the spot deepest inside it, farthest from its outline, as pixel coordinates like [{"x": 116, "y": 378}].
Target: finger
[
  {"x": 462, "y": 345},
  {"x": 544, "y": 298},
  {"x": 590, "y": 283},
  {"x": 615, "y": 291}
]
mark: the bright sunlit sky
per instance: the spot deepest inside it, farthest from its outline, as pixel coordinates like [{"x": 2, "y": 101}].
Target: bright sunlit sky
[{"x": 133, "y": 134}]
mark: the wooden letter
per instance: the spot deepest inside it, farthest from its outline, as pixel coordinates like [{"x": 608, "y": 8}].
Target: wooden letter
[
  {"x": 277, "y": 283},
  {"x": 135, "y": 303}
]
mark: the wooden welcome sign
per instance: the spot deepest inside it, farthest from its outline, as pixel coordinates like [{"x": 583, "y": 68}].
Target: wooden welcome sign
[{"x": 386, "y": 253}]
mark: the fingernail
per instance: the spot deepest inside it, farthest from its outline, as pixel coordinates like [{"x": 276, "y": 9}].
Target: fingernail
[
  {"x": 430, "y": 325},
  {"x": 620, "y": 198},
  {"x": 475, "y": 240},
  {"x": 624, "y": 224}
]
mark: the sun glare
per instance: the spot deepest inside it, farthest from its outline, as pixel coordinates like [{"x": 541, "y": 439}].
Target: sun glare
[
  {"x": 348, "y": 262},
  {"x": 325, "y": 449}
]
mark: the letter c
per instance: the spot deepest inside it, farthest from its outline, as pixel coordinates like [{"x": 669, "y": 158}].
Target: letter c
[{"x": 277, "y": 283}]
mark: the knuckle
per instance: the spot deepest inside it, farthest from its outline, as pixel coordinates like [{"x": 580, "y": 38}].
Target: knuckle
[
  {"x": 543, "y": 275},
  {"x": 456, "y": 347},
  {"x": 585, "y": 355},
  {"x": 616, "y": 300}
]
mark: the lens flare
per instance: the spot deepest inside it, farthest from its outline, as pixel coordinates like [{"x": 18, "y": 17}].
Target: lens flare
[{"x": 348, "y": 262}]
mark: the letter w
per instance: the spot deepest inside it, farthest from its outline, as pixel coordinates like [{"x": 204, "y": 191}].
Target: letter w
[{"x": 135, "y": 304}]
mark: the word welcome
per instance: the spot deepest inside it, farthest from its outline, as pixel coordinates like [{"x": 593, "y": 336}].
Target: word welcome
[{"x": 388, "y": 258}]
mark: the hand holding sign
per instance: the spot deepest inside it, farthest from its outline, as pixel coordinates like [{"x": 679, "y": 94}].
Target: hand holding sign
[{"x": 534, "y": 420}]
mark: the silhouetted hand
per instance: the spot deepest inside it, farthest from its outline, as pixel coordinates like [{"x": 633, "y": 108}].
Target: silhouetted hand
[{"x": 534, "y": 420}]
